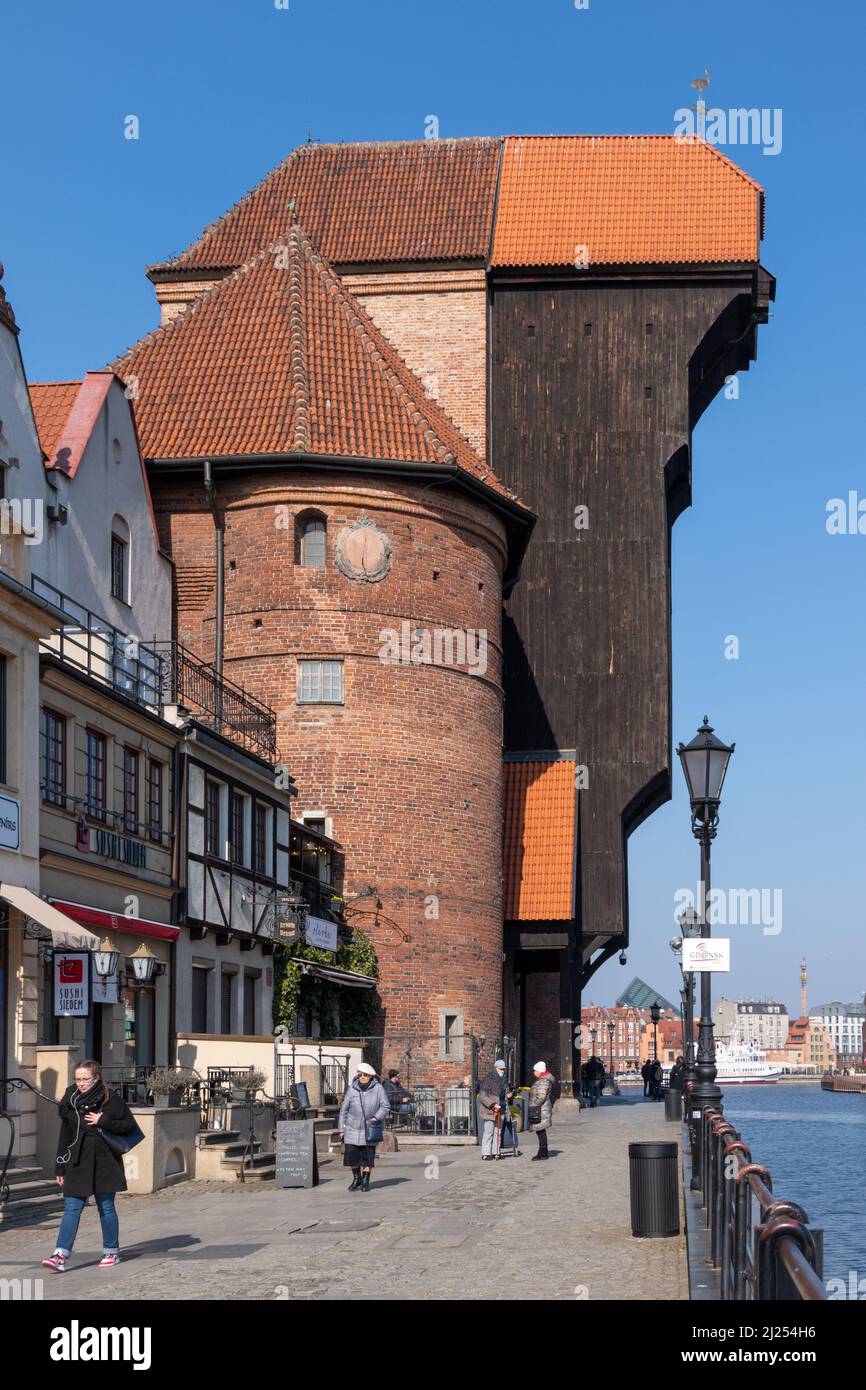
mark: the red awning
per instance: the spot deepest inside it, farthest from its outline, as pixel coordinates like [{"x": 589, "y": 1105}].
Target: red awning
[{"x": 113, "y": 921}]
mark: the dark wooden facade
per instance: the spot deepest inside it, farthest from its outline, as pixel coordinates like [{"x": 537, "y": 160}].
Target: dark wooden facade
[{"x": 596, "y": 384}]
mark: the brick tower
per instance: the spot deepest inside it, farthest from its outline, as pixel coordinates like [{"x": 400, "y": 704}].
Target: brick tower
[{"x": 366, "y": 548}]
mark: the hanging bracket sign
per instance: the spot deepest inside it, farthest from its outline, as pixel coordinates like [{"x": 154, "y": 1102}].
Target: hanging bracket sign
[
  {"x": 71, "y": 984},
  {"x": 706, "y": 953}
]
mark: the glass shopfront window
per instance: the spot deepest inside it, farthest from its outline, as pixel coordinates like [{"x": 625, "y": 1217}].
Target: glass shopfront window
[
  {"x": 4, "y": 984},
  {"x": 138, "y": 1026}
]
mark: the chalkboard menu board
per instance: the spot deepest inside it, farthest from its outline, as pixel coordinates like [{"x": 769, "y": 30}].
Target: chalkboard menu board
[{"x": 297, "y": 1164}]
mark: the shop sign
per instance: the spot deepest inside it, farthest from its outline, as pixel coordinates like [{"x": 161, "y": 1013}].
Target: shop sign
[
  {"x": 321, "y": 933},
  {"x": 71, "y": 984},
  {"x": 10, "y": 823},
  {"x": 118, "y": 847},
  {"x": 103, "y": 990},
  {"x": 288, "y": 928}
]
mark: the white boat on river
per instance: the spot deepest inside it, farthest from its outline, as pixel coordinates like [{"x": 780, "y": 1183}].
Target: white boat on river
[{"x": 741, "y": 1065}]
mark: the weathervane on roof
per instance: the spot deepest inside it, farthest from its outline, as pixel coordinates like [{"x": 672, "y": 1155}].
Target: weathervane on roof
[{"x": 700, "y": 84}]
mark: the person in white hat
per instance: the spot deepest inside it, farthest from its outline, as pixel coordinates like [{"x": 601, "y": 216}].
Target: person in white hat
[
  {"x": 362, "y": 1114},
  {"x": 541, "y": 1107}
]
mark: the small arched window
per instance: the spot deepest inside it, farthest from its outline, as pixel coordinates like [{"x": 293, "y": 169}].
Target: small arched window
[
  {"x": 311, "y": 537},
  {"x": 119, "y": 559}
]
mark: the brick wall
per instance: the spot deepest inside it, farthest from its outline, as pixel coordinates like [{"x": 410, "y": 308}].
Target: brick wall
[
  {"x": 173, "y": 296},
  {"x": 437, "y": 321},
  {"x": 409, "y": 768}
]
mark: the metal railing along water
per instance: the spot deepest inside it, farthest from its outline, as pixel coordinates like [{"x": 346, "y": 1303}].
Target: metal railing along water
[{"x": 762, "y": 1246}]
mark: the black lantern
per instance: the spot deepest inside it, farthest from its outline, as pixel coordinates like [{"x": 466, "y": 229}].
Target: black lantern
[
  {"x": 689, "y": 923},
  {"x": 143, "y": 962},
  {"x": 105, "y": 959},
  {"x": 705, "y": 762}
]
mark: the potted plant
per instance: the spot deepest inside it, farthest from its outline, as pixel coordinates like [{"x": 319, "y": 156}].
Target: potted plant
[
  {"x": 167, "y": 1084},
  {"x": 250, "y": 1082}
]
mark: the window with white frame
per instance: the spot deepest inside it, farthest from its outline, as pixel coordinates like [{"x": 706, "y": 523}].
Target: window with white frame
[{"x": 320, "y": 683}]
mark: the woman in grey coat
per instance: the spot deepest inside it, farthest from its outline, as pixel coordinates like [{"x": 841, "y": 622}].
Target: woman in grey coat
[
  {"x": 365, "y": 1106},
  {"x": 541, "y": 1105}
]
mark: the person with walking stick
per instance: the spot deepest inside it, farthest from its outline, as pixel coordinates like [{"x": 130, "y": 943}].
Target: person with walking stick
[{"x": 493, "y": 1097}]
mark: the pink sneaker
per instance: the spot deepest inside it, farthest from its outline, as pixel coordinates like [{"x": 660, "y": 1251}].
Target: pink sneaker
[
  {"x": 108, "y": 1260},
  {"x": 56, "y": 1261}
]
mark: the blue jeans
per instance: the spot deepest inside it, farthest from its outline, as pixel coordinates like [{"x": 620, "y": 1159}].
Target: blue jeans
[{"x": 72, "y": 1209}]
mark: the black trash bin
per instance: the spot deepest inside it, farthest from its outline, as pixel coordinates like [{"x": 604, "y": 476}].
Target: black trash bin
[
  {"x": 673, "y": 1103},
  {"x": 655, "y": 1204}
]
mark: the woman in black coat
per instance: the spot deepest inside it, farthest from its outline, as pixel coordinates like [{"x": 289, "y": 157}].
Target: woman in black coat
[{"x": 86, "y": 1164}]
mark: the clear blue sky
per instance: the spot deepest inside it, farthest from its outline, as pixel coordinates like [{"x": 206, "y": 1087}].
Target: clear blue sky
[{"x": 224, "y": 90}]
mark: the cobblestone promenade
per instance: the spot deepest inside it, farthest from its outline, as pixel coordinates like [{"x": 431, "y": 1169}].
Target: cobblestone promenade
[{"x": 508, "y": 1230}]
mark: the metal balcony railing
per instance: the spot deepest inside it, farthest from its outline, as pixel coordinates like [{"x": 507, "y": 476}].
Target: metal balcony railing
[
  {"x": 213, "y": 700},
  {"x": 93, "y": 645},
  {"x": 156, "y": 674}
]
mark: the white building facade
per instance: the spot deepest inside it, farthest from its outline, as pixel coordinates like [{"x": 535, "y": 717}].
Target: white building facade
[{"x": 844, "y": 1023}]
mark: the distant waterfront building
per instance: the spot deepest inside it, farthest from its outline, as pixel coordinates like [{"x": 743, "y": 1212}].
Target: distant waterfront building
[
  {"x": 642, "y": 996},
  {"x": 630, "y": 1037},
  {"x": 809, "y": 1046},
  {"x": 760, "y": 1022},
  {"x": 633, "y": 1036},
  {"x": 844, "y": 1023}
]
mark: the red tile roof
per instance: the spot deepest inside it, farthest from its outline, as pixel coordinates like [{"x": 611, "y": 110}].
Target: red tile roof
[
  {"x": 52, "y": 402},
  {"x": 418, "y": 200},
  {"x": 279, "y": 358},
  {"x": 538, "y": 859},
  {"x": 635, "y": 199},
  {"x": 648, "y": 199},
  {"x": 69, "y": 435}
]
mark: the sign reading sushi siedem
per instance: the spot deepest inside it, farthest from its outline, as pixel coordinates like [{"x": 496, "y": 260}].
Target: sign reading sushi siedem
[
  {"x": 71, "y": 984},
  {"x": 296, "y": 1162}
]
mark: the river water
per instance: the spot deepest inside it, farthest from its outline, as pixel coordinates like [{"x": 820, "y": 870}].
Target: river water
[{"x": 814, "y": 1144}]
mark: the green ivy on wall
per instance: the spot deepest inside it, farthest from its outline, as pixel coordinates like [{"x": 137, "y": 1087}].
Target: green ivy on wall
[{"x": 295, "y": 993}]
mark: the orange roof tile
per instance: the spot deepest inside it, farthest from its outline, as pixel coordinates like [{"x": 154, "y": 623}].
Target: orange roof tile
[
  {"x": 649, "y": 199},
  {"x": 538, "y": 859},
  {"x": 425, "y": 200},
  {"x": 279, "y": 358},
  {"x": 630, "y": 199},
  {"x": 70, "y": 435},
  {"x": 52, "y": 402}
]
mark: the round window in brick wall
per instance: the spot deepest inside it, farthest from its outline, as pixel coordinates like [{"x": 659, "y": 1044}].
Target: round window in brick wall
[{"x": 363, "y": 552}]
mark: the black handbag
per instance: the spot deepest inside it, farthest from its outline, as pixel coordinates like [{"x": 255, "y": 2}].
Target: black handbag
[
  {"x": 535, "y": 1114},
  {"x": 373, "y": 1129},
  {"x": 121, "y": 1144}
]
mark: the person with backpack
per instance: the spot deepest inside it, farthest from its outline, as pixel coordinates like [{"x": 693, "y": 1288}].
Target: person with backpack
[
  {"x": 657, "y": 1080},
  {"x": 541, "y": 1108},
  {"x": 363, "y": 1111},
  {"x": 88, "y": 1165}
]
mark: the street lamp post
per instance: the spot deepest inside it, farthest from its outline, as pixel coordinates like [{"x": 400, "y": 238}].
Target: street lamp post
[
  {"x": 611, "y": 1028},
  {"x": 705, "y": 762},
  {"x": 655, "y": 1015},
  {"x": 689, "y": 924}
]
